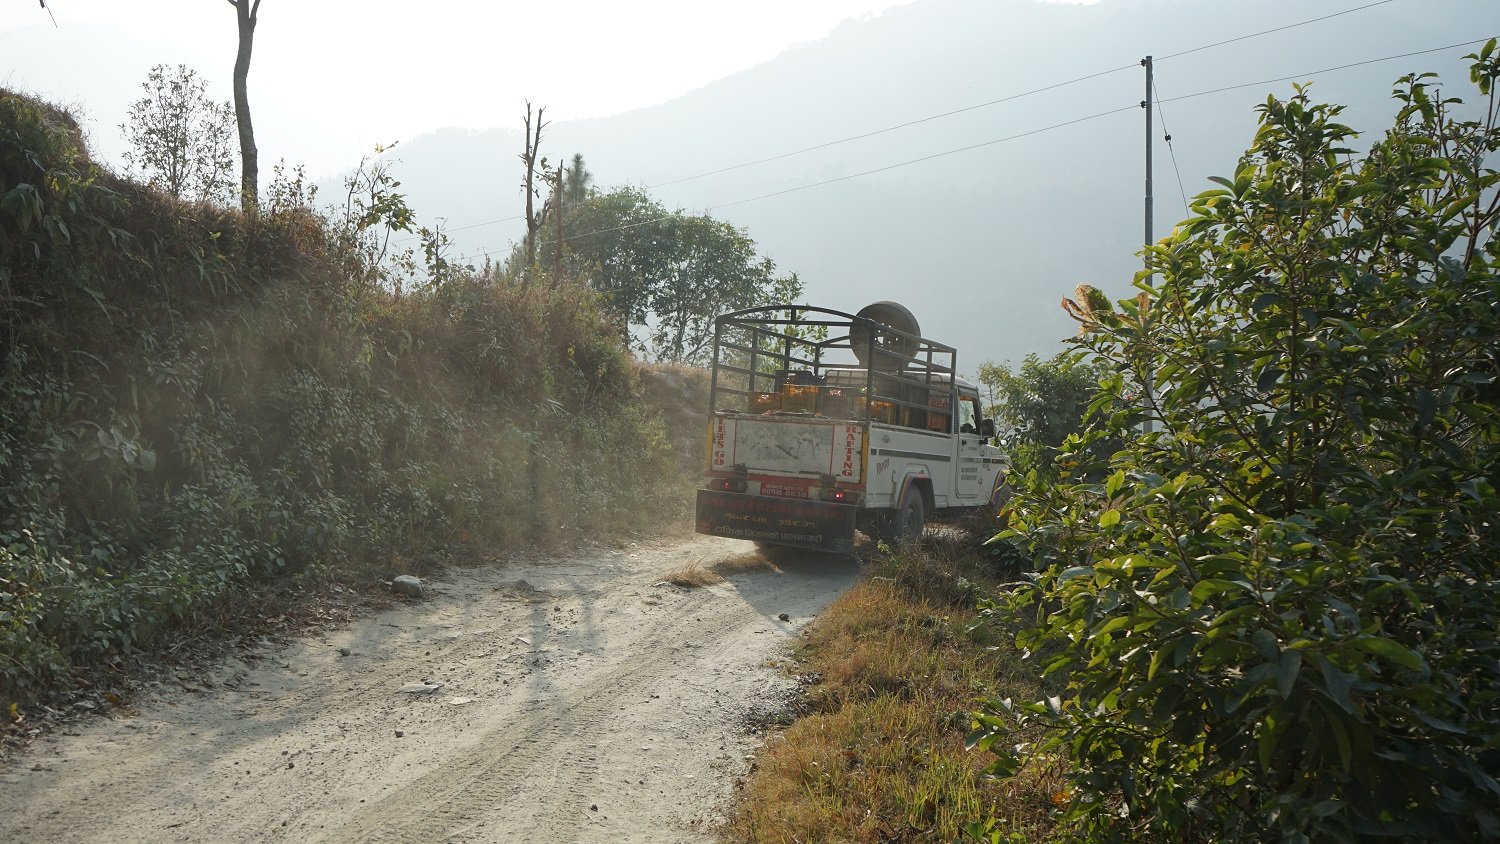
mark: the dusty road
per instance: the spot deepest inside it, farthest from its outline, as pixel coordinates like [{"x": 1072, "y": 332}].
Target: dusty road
[{"x": 581, "y": 700}]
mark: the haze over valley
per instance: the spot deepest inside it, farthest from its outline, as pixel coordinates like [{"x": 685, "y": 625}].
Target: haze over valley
[{"x": 981, "y": 244}]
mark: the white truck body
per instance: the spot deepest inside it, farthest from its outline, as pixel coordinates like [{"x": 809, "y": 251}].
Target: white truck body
[{"x": 815, "y": 453}]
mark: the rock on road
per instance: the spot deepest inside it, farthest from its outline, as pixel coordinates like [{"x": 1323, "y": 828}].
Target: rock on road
[{"x": 576, "y": 699}]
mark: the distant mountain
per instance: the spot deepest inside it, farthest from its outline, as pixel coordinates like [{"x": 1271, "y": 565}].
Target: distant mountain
[{"x": 980, "y": 244}]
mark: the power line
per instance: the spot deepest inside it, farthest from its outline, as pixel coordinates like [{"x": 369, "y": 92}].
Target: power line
[
  {"x": 638, "y": 224},
  {"x": 995, "y": 141},
  {"x": 965, "y": 109},
  {"x": 1326, "y": 70},
  {"x": 1269, "y": 31},
  {"x": 1094, "y": 116},
  {"x": 486, "y": 223},
  {"x": 463, "y": 228},
  {"x": 1167, "y": 134},
  {"x": 827, "y": 144},
  {"x": 1007, "y": 99},
  {"x": 920, "y": 120}
]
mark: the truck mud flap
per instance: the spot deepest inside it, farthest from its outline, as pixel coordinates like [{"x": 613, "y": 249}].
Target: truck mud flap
[{"x": 798, "y": 523}]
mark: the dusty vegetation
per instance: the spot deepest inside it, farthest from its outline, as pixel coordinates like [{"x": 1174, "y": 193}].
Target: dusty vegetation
[
  {"x": 193, "y": 403},
  {"x": 878, "y": 753}
]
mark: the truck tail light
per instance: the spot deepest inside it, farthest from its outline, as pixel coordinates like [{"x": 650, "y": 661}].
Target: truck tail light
[
  {"x": 834, "y": 495},
  {"x": 727, "y": 484}
]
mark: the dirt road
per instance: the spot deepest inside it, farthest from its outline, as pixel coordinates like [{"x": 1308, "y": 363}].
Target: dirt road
[{"x": 581, "y": 700}]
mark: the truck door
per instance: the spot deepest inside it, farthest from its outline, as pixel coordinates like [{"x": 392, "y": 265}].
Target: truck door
[{"x": 973, "y": 480}]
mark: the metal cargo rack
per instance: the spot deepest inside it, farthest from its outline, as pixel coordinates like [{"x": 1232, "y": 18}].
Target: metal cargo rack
[{"x": 803, "y": 360}]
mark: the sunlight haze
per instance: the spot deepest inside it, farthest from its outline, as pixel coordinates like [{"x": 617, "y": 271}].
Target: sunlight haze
[
  {"x": 329, "y": 80},
  {"x": 933, "y": 152}
]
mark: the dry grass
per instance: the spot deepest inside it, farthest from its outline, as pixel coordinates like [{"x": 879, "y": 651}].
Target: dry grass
[
  {"x": 695, "y": 574},
  {"x": 692, "y": 575},
  {"x": 740, "y": 563},
  {"x": 881, "y": 755}
]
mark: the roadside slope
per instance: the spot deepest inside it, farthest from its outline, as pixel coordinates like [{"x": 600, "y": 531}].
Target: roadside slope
[{"x": 582, "y": 699}]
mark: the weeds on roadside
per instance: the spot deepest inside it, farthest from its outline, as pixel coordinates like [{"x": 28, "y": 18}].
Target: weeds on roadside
[{"x": 896, "y": 664}]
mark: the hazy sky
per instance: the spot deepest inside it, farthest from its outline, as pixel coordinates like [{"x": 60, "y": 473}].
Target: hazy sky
[
  {"x": 331, "y": 78},
  {"x": 357, "y": 73}
]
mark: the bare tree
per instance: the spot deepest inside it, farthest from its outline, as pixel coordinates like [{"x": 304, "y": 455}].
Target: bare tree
[
  {"x": 529, "y": 158},
  {"x": 245, "y": 12}
]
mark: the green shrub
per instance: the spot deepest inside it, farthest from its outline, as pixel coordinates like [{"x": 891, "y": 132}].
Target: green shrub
[
  {"x": 1043, "y": 403},
  {"x": 1274, "y": 617}
]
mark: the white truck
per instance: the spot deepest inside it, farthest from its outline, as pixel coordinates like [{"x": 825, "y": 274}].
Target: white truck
[{"x": 822, "y": 423}]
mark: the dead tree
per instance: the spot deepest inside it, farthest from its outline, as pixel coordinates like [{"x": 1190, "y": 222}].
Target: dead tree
[{"x": 530, "y": 159}]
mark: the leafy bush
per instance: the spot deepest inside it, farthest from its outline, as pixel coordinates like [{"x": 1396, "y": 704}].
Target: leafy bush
[
  {"x": 1275, "y": 617},
  {"x": 1043, "y": 403}
]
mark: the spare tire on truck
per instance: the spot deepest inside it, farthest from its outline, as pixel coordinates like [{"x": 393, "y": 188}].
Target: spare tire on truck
[{"x": 869, "y": 342}]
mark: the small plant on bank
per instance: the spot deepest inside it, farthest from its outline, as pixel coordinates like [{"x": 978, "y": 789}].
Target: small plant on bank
[{"x": 1274, "y": 616}]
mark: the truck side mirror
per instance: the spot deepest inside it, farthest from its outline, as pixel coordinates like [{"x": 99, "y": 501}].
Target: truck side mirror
[{"x": 987, "y": 428}]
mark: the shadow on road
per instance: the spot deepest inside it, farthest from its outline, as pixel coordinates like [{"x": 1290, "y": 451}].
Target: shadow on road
[{"x": 791, "y": 581}]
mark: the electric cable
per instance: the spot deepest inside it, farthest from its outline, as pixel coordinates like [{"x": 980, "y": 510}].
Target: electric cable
[
  {"x": 944, "y": 153},
  {"x": 965, "y": 109},
  {"x": 1171, "y": 150},
  {"x": 1010, "y": 98},
  {"x": 893, "y": 128},
  {"x": 1327, "y": 70},
  {"x": 1269, "y": 31},
  {"x": 410, "y": 238},
  {"x": 1094, "y": 116}
]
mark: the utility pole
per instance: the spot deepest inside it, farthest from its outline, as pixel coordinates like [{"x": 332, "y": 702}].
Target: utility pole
[
  {"x": 1146, "y": 104},
  {"x": 1147, "y": 426}
]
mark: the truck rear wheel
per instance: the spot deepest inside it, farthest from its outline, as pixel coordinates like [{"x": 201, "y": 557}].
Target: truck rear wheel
[{"x": 911, "y": 519}]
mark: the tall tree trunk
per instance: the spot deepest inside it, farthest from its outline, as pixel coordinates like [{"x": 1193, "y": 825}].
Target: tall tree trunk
[
  {"x": 558, "y": 249},
  {"x": 246, "y": 12}
]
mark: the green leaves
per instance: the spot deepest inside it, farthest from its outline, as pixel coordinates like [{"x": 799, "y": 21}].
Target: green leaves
[
  {"x": 1275, "y": 621},
  {"x": 24, "y": 203},
  {"x": 1288, "y": 665},
  {"x": 1391, "y": 650}
]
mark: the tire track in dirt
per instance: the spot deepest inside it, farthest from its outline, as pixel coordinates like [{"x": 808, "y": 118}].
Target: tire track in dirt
[
  {"x": 584, "y": 701},
  {"x": 487, "y": 779}
]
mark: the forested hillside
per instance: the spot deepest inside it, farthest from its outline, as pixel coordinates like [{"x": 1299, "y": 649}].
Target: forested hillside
[{"x": 194, "y": 401}]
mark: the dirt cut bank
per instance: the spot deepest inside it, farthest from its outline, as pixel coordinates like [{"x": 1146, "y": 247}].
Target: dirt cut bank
[{"x": 579, "y": 699}]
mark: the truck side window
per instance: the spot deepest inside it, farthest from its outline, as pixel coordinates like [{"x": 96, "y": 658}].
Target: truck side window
[{"x": 968, "y": 415}]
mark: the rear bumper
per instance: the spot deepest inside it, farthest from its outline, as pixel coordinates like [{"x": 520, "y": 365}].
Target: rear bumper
[{"x": 796, "y": 522}]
